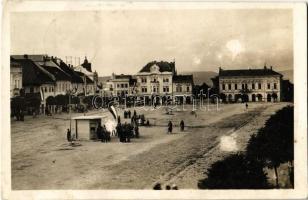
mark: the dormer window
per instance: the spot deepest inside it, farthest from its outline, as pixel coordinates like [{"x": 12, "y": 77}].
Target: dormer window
[{"x": 154, "y": 69}]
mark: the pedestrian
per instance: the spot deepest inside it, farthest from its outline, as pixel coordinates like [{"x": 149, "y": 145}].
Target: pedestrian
[
  {"x": 68, "y": 135},
  {"x": 119, "y": 131},
  {"x": 246, "y": 105},
  {"x": 174, "y": 187},
  {"x": 135, "y": 113},
  {"x": 157, "y": 186},
  {"x": 148, "y": 122},
  {"x": 104, "y": 134},
  {"x": 168, "y": 187},
  {"x": 136, "y": 131},
  {"x": 99, "y": 131},
  {"x": 129, "y": 114},
  {"x": 119, "y": 120},
  {"x": 182, "y": 125},
  {"x": 170, "y": 127}
]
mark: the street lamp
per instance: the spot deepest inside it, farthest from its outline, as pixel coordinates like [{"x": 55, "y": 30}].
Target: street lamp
[{"x": 71, "y": 92}]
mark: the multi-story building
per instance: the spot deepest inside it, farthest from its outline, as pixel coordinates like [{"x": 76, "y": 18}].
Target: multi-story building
[
  {"x": 16, "y": 78},
  {"x": 120, "y": 85},
  {"x": 63, "y": 80},
  {"x": 249, "y": 85},
  {"x": 155, "y": 78},
  {"x": 37, "y": 82},
  {"x": 182, "y": 87}
]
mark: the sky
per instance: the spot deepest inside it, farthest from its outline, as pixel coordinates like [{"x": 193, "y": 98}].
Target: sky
[{"x": 123, "y": 41}]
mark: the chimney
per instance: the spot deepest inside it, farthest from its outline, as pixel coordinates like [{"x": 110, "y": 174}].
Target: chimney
[
  {"x": 271, "y": 68},
  {"x": 112, "y": 76},
  {"x": 26, "y": 56}
]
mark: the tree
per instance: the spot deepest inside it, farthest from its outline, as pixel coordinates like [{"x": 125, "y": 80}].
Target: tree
[
  {"x": 33, "y": 101},
  {"x": 61, "y": 100},
  {"x": 18, "y": 104},
  {"x": 75, "y": 100},
  {"x": 235, "y": 172},
  {"x": 273, "y": 144},
  {"x": 50, "y": 100}
]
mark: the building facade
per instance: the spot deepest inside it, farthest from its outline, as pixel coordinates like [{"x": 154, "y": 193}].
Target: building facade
[
  {"x": 120, "y": 85},
  {"x": 155, "y": 78},
  {"x": 256, "y": 85},
  {"x": 15, "y": 78}
]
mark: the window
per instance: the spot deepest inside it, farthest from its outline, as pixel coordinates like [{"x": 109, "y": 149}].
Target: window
[
  {"x": 126, "y": 85},
  {"x": 223, "y": 87},
  {"x": 246, "y": 86},
  {"x": 51, "y": 89},
  {"x": 229, "y": 86},
  {"x": 166, "y": 89},
  {"x": 122, "y": 85},
  {"x": 45, "y": 89},
  {"x": 143, "y": 79},
  {"x": 188, "y": 89},
  {"x": 235, "y": 86},
  {"x": 243, "y": 86},
  {"x": 118, "y": 85},
  {"x": 166, "y": 80},
  {"x": 275, "y": 86},
  {"x": 268, "y": 86},
  {"x": 260, "y": 86},
  {"x": 178, "y": 88},
  {"x": 31, "y": 89},
  {"x": 144, "y": 89},
  {"x": 253, "y": 86}
]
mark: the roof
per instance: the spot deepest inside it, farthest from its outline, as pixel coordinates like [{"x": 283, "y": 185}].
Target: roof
[
  {"x": 33, "y": 74},
  {"x": 87, "y": 78},
  {"x": 35, "y": 58},
  {"x": 59, "y": 74},
  {"x": 248, "y": 72},
  {"x": 123, "y": 76},
  {"x": 163, "y": 66},
  {"x": 183, "y": 79},
  {"x": 74, "y": 76},
  {"x": 88, "y": 117}
]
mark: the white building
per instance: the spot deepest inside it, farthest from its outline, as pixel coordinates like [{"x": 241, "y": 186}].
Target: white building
[
  {"x": 250, "y": 85},
  {"x": 155, "y": 78},
  {"x": 119, "y": 85}
]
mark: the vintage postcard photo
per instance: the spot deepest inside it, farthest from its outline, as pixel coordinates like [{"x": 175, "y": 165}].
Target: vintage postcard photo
[{"x": 129, "y": 100}]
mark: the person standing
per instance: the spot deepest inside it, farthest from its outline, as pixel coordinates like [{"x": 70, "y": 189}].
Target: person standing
[
  {"x": 129, "y": 114},
  {"x": 182, "y": 125},
  {"x": 246, "y": 105},
  {"x": 135, "y": 113},
  {"x": 136, "y": 131},
  {"x": 119, "y": 120},
  {"x": 169, "y": 127},
  {"x": 68, "y": 135}
]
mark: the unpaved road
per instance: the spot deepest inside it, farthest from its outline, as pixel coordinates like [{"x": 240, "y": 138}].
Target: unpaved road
[{"x": 42, "y": 159}]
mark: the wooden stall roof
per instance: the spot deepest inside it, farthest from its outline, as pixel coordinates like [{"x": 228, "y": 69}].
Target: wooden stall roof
[{"x": 88, "y": 117}]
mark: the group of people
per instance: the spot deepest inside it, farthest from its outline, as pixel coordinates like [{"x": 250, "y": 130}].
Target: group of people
[
  {"x": 103, "y": 134},
  {"x": 157, "y": 186},
  {"x": 170, "y": 126},
  {"x": 127, "y": 131},
  {"x": 127, "y": 114}
]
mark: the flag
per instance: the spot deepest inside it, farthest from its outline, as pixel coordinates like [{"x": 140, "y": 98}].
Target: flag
[
  {"x": 42, "y": 94},
  {"x": 113, "y": 111}
]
